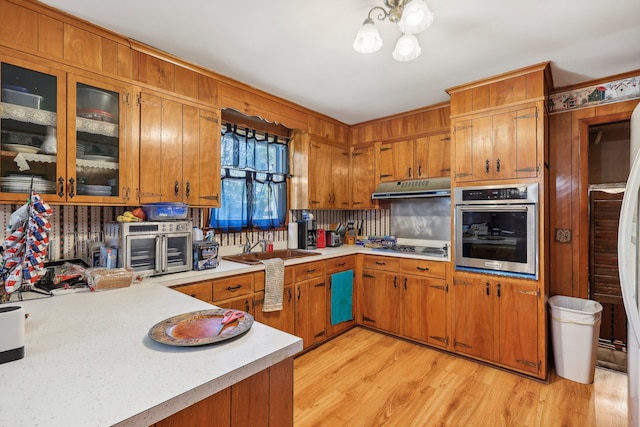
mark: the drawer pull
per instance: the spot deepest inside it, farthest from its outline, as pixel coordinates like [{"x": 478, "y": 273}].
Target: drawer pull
[
  {"x": 311, "y": 271},
  {"x": 342, "y": 264},
  {"x": 381, "y": 263},
  {"x": 422, "y": 268},
  {"x": 234, "y": 288}
]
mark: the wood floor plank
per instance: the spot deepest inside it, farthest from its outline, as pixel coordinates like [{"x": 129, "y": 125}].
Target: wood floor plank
[{"x": 365, "y": 378}]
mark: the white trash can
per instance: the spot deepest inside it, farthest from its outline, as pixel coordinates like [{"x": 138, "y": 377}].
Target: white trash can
[{"x": 575, "y": 329}]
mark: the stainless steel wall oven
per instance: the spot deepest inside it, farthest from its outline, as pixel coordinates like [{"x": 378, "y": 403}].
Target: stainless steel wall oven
[{"x": 496, "y": 229}]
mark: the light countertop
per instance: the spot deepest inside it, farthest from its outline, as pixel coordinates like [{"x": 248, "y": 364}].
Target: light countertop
[{"x": 89, "y": 362}]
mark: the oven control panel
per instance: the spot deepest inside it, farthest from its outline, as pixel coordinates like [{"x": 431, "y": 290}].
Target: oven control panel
[{"x": 506, "y": 194}]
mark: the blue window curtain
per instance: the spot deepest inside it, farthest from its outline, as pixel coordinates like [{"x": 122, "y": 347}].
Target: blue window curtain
[{"x": 254, "y": 181}]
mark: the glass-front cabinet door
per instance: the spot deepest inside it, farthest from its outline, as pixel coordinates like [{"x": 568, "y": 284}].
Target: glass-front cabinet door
[
  {"x": 62, "y": 135},
  {"x": 96, "y": 149},
  {"x": 32, "y": 124}
]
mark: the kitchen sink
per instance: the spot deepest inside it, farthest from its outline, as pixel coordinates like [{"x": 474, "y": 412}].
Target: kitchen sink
[{"x": 257, "y": 257}]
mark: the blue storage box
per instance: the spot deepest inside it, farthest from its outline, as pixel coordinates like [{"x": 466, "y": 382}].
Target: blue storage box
[{"x": 165, "y": 211}]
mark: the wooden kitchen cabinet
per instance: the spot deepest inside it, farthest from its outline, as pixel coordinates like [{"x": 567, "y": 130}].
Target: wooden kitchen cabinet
[
  {"x": 180, "y": 152},
  {"x": 310, "y": 303},
  {"x": 329, "y": 185},
  {"x": 339, "y": 265},
  {"x": 407, "y": 297},
  {"x": 497, "y": 319},
  {"x": 311, "y": 311},
  {"x": 263, "y": 399},
  {"x": 379, "y": 296},
  {"x": 424, "y": 301},
  {"x": 200, "y": 290},
  {"x": 496, "y": 146},
  {"x": 284, "y": 319},
  {"x": 56, "y": 119},
  {"x": 362, "y": 177},
  {"x": 419, "y": 158},
  {"x": 395, "y": 161}
]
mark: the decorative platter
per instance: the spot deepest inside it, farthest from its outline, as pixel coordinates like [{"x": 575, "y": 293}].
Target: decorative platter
[
  {"x": 19, "y": 148},
  {"x": 198, "y": 328}
]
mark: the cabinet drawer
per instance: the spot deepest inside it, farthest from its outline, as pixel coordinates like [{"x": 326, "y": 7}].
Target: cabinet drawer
[
  {"x": 258, "y": 279},
  {"x": 200, "y": 290},
  {"x": 232, "y": 286},
  {"x": 381, "y": 263},
  {"x": 424, "y": 267},
  {"x": 308, "y": 270},
  {"x": 344, "y": 263}
]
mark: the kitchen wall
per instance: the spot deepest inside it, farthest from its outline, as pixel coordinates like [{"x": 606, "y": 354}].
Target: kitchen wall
[{"x": 75, "y": 228}]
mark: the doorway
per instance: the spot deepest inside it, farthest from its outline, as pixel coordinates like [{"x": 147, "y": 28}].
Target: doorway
[{"x": 609, "y": 154}]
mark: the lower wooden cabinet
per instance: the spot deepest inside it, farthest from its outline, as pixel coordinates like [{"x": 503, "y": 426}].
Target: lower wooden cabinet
[
  {"x": 333, "y": 266},
  {"x": 264, "y": 399},
  {"x": 311, "y": 311},
  {"x": 407, "y": 297},
  {"x": 284, "y": 319},
  {"x": 498, "y": 320}
]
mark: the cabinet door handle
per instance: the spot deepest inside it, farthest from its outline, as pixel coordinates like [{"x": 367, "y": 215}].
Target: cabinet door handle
[
  {"x": 420, "y": 170},
  {"x": 499, "y": 286},
  {"x": 246, "y": 305},
  {"x": 234, "y": 288},
  {"x": 188, "y": 189},
  {"x": 61, "y": 187},
  {"x": 72, "y": 187},
  {"x": 395, "y": 281},
  {"x": 299, "y": 292},
  {"x": 486, "y": 166},
  {"x": 405, "y": 283},
  {"x": 409, "y": 172},
  {"x": 487, "y": 288},
  {"x": 289, "y": 292},
  {"x": 176, "y": 188},
  {"x": 498, "y": 165}
]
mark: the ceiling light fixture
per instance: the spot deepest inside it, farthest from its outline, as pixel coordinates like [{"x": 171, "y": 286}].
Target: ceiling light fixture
[{"x": 412, "y": 17}]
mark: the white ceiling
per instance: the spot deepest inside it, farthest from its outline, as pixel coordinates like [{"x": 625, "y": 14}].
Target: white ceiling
[{"x": 301, "y": 50}]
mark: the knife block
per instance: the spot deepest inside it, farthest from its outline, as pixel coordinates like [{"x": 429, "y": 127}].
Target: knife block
[{"x": 11, "y": 333}]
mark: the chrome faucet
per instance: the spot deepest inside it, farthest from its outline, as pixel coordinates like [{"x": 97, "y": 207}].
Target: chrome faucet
[{"x": 248, "y": 247}]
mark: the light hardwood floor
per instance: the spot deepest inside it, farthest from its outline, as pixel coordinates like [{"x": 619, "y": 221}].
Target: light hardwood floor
[{"x": 365, "y": 378}]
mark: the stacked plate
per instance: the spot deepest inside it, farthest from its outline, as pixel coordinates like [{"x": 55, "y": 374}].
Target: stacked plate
[
  {"x": 94, "y": 190},
  {"x": 80, "y": 150},
  {"x": 22, "y": 184}
]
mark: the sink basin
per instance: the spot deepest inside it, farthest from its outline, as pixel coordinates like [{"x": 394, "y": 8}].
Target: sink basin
[{"x": 257, "y": 257}]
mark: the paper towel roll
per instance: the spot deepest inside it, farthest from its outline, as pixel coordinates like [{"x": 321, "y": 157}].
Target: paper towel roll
[
  {"x": 12, "y": 333},
  {"x": 292, "y": 235}
]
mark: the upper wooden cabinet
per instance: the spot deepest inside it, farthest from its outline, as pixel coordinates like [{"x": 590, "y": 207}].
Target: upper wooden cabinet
[
  {"x": 420, "y": 158},
  {"x": 180, "y": 152},
  {"x": 63, "y": 133},
  {"x": 328, "y": 130},
  {"x": 500, "y": 145},
  {"x": 497, "y": 126},
  {"x": 328, "y": 176},
  {"x": 362, "y": 177}
]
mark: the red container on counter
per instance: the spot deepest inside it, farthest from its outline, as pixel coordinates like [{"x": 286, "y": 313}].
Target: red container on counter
[{"x": 321, "y": 241}]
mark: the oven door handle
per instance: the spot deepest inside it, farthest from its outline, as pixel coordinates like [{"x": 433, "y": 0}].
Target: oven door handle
[
  {"x": 165, "y": 253},
  {"x": 493, "y": 208},
  {"x": 159, "y": 254}
]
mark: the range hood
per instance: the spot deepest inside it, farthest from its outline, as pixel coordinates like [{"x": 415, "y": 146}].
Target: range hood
[{"x": 433, "y": 187}]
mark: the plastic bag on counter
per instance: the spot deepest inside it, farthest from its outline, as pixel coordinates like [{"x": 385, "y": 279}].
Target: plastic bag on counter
[{"x": 100, "y": 278}]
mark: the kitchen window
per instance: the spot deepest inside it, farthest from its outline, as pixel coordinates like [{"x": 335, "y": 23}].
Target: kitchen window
[{"x": 254, "y": 180}]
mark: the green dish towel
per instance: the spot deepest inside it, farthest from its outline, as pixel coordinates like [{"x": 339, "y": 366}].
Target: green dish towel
[{"x": 341, "y": 297}]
